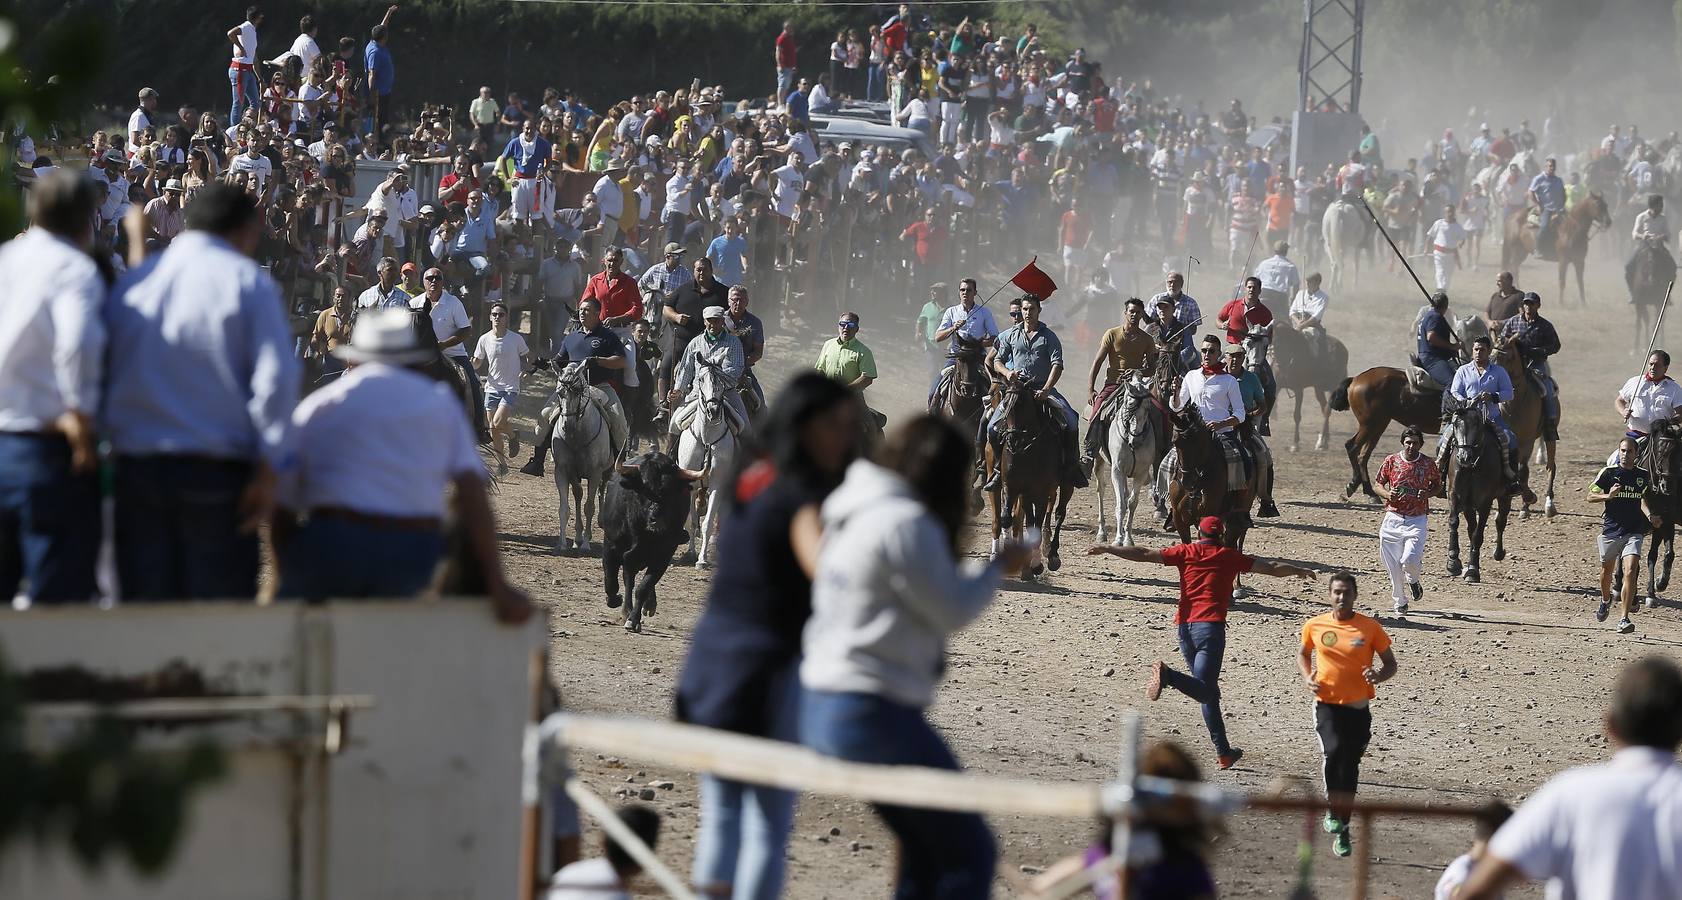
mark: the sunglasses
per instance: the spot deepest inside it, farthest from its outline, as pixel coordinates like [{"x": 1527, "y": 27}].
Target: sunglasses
[
  {"x": 433, "y": 278},
  {"x": 1210, "y": 350},
  {"x": 1015, "y": 315},
  {"x": 850, "y": 326}
]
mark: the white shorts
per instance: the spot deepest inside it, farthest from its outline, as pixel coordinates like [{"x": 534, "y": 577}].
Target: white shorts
[
  {"x": 1612, "y": 548},
  {"x": 525, "y": 198},
  {"x": 1073, "y": 257}
]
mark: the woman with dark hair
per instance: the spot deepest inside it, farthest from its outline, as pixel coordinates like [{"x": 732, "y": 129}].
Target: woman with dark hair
[
  {"x": 742, "y": 671},
  {"x": 888, "y": 594}
]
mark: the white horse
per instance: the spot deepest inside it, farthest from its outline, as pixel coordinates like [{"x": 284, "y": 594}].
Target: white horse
[
  {"x": 1343, "y": 228},
  {"x": 1133, "y": 445},
  {"x": 707, "y": 445},
  {"x": 582, "y": 451}
]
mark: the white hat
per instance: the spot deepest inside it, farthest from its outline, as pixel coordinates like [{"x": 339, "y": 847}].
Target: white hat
[
  {"x": 173, "y": 186},
  {"x": 385, "y": 335},
  {"x": 712, "y": 312}
]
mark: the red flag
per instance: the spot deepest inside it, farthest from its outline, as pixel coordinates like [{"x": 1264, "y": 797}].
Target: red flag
[{"x": 1034, "y": 281}]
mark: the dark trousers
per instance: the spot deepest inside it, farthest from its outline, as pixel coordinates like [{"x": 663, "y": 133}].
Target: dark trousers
[
  {"x": 335, "y": 558},
  {"x": 942, "y": 855},
  {"x": 49, "y": 521},
  {"x": 178, "y": 531},
  {"x": 1344, "y": 732},
  {"x": 1203, "y": 644}
]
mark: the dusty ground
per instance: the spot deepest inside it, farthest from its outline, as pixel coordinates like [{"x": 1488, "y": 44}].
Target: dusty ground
[{"x": 1501, "y": 683}]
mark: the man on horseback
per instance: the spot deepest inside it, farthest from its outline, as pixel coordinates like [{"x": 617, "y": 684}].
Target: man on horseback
[
  {"x": 603, "y": 354},
  {"x": 1547, "y": 191},
  {"x": 963, "y": 320},
  {"x": 1123, "y": 350},
  {"x": 1650, "y": 234},
  {"x": 1352, "y": 179},
  {"x": 1437, "y": 351},
  {"x": 1484, "y": 382},
  {"x": 1280, "y": 279},
  {"x": 1649, "y": 397},
  {"x": 715, "y": 345},
  {"x": 1504, "y": 303},
  {"x": 1220, "y": 402},
  {"x": 1032, "y": 354},
  {"x": 1186, "y": 313},
  {"x": 1254, "y": 396},
  {"x": 751, "y": 332},
  {"x": 1537, "y": 340},
  {"x": 1239, "y": 317},
  {"x": 1308, "y": 309}
]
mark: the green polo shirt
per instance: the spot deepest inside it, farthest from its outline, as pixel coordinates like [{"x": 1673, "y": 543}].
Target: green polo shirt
[
  {"x": 846, "y": 363},
  {"x": 928, "y": 319}
]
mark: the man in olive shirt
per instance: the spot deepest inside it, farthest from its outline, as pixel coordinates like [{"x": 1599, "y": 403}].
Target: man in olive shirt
[{"x": 1124, "y": 349}]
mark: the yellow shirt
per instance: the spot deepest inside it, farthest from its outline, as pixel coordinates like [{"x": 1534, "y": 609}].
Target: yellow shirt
[{"x": 1123, "y": 351}]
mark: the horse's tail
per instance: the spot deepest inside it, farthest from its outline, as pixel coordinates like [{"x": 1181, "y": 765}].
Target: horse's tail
[{"x": 1340, "y": 397}]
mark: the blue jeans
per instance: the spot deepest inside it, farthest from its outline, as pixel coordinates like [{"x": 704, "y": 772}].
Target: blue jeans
[
  {"x": 875, "y": 83},
  {"x": 1203, "y": 644},
  {"x": 177, "y": 529},
  {"x": 943, "y": 855},
  {"x": 743, "y": 840},
  {"x": 49, "y": 521},
  {"x": 335, "y": 558},
  {"x": 1441, "y": 369},
  {"x": 242, "y": 85}
]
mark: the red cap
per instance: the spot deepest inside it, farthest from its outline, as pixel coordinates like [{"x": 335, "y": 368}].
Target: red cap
[{"x": 1211, "y": 525}]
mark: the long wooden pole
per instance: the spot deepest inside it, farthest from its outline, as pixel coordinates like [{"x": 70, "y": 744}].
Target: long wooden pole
[{"x": 1395, "y": 250}]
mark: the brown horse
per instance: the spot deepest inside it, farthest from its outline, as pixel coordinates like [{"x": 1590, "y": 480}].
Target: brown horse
[
  {"x": 1297, "y": 369},
  {"x": 1571, "y": 243},
  {"x": 1381, "y": 395},
  {"x": 1524, "y": 415},
  {"x": 1474, "y": 485},
  {"x": 1197, "y": 485},
  {"x": 1654, "y": 269},
  {"x": 964, "y": 396},
  {"x": 1031, "y": 461}
]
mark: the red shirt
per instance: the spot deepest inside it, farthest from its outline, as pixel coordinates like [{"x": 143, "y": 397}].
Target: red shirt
[
  {"x": 931, "y": 240},
  {"x": 453, "y": 188},
  {"x": 1411, "y": 483},
  {"x": 1239, "y": 319},
  {"x": 1207, "y": 571},
  {"x": 785, "y": 51},
  {"x": 1103, "y": 115},
  {"x": 893, "y": 37},
  {"x": 619, "y": 297},
  {"x": 1076, "y": 230}
]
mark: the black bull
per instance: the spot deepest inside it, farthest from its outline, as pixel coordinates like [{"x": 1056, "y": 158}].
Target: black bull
[{"x": 643, "y": 514}]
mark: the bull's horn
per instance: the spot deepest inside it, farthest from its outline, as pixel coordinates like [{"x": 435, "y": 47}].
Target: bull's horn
[
  {"x": 627, "y": 470},
  {"x": 690, "y": 474}
]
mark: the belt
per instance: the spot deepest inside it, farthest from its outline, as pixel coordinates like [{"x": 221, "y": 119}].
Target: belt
[
  {"x": 395, "y": 523},
  {"x": 236, "y": 64},
  {"x": 1441, "y": 249},
  {"x": 524, "y": 177}
]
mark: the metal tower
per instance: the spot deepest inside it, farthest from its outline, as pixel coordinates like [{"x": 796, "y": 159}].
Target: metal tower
[{"x": 1329, "y": 69}]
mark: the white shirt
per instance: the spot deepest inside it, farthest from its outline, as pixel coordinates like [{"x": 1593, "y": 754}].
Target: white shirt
[
  {"x": 1311, "y": 305},
  {"x": 1647, "y": 224},
  {"x": 259, "y": 166},
  {"x": 52, "y": 338},
  {"x": 116, "y": 201},
  {"x": 678, "y": 197},
  {"x": 381, "y": 440},
  {"x": 801, "y": 143},
  {"x": 1453, "y": 877},
  {"x": 399, "y": 207},
  {"x": 449, "y": 317},
  {"x": 787, "y": 189},
  {"x": 1217, "y": 396},
  {"x": 1445, "y": 234},
  {"x": 248, "y": 44},
  {"x": 1278, "y": 274},
  {"x": 818, "y": 98},
  {"x": 609, "y": 198},
  {"x": 1649, "y": 400},
  {"x": 1611, "y": 831},
  {"x": 138, "y": 121},
  {"x": 502, "y": 357},
  {"x": 303, "y": 47},
  {"x": 590, "y": 879}
]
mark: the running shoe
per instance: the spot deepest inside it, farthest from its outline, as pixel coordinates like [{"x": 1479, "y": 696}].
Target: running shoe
[
  {"x": 1230, "y": 758},
  {"x": 1401, "y": 609},
  {"x": 1341, "y": 844},
  {"x": 1331, "y": 824},
  {"x": 1625, "y": 626},
  {"x": 1418, "y": 591},
  {"x": 1153, "y": 685},
  {"x": 1603, "y": 610}
]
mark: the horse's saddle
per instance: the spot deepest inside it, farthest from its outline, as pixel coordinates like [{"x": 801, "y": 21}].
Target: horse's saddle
[
  {"x": 684, "y": 415},
  {"x": 1422, "y": 381}
]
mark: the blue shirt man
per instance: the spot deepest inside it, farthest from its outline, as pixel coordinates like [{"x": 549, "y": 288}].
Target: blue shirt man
[
  {"x": 528, "y": 158},
  {"x": 727, "y": 252},
  {"x": 1484, "y": 382},
  {"x": 797, "y": 107},
  {"x": 1034, "y": 350},
  {"x": 1549, "y": 193},
  {"x": 382, "y": 73},
  {"x": 1436, "y": 358}
]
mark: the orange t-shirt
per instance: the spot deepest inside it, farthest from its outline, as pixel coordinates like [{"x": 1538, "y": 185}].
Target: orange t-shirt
[
  {"x": 1343, "y": 651},
  {"x": 1279, "y": 210}
]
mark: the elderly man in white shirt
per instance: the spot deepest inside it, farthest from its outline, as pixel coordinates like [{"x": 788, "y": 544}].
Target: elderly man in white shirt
[
  {"x": 1279, "y": 276},
  {"x": 1611, "y": 831},
  {"x": 374, "y": 453},
  {"x": 1647, "y": 398},
  {"x": 52, "y": 343},
  {"x": 1308, "y": 312},
  {"x": 401, "y": 204},
  {"x": 1219, "y": 402}
]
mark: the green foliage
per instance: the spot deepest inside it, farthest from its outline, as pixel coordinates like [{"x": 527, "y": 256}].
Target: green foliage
[
  {"x": 97, "y": 792},
  {"x": 43, "y": 80}
]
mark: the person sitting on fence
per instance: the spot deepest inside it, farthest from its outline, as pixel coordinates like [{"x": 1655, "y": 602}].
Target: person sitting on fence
[{"x": 609, "y": 876}]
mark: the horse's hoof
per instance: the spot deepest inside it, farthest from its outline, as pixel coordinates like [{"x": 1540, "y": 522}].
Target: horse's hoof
[
  {"x": 651, "y": 606},
  {"x": 1240, "y": 592},
  {"x": 1320, "y": 444},
  {"x": 703, "y": 564},
  {"x": 1025, "y": 575},
  {"x": 1453, "y": 567},
  {"x": 1098, "y": 537},
  {"x": 633, "y": 627},
  {"x": 1499, "y": 554},
  {"x": 1650, "y": 601},
  {"x": 1054, "y": 562},
  {"x": 1472, "y": 576},
  {"x": 1037, "y": 569},
  {"x": 1550, "y": 509},
  {"x": 613, "y": 601}
]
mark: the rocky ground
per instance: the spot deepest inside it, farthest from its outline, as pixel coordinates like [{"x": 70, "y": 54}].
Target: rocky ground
[{"x": 1501, "y": 683}]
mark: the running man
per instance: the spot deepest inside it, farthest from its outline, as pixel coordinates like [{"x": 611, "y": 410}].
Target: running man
[
  {"x": 1207, "y": 572},
  {"x": 1336, "y": 663},
  {"x": 1624, "y": 523},
  {"x": 1406, "y": 481}
]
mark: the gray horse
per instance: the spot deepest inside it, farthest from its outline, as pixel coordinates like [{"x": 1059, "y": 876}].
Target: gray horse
[{"x": 582, "y": 451}]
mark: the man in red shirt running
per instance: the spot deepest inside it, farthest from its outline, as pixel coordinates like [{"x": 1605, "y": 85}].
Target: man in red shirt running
[{"x": 1207, "y": 572}]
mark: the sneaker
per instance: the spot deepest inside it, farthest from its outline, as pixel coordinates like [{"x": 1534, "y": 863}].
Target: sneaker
[
  {"x": 1603, "y": 610},
  {"x": 1625, "y": 626},
  {"x": 1331, "y": 824},
  {"x": 1153, "y": 685},
  {"x": 1401, "y": 609},
  {"x": 1230, "y": 758},
  {"x": 1341, "y": 844},
  {"x": 1417, "y": 589}
]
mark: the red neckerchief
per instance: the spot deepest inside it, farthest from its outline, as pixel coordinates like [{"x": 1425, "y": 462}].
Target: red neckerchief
[{"x": 1216, "y": 369}]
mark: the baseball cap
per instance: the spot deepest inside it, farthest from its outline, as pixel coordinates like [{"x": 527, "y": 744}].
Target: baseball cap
[
  {"x": 408, "y": 267},
  {"x": 674, "y": 249},
  {"x": 1211, "y": 526},
  {"x": 1531, "y": 298}
]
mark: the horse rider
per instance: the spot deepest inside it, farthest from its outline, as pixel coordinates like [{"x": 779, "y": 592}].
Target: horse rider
[
  {"x": 846, "y": 359},
  {"x": 751, "y": 332},
  {"x": 1187, "y": 314},
  {"x": 1649, "y": 397},
  {"x": 1352, "y": 178},
  {"x": 1308, "y": 311},
  {"x": 1031, "y": 353},
  {"x": 966, "y": 320},
  {"x": 1446, "y": 235},
  {"x": 1484, "y": 382},
  {"x": 1537, "y": 340},
  {"x": 1243, "y": 316},
  {"x": 1280, "y": 279},
  {"x": 1438, "y": 352},
  {"x": 1123, "y": 350},
  {"x": 1547, "y": 191},
  {"x": 1254, "y": 395},
  {"x": 604, "y": 356},
  {"x": 1650, "y": 234},
  {"x": 1220, "y": 401},
  {"x": 1504, "y": 303},
  {"x": 717, "y": 346}
]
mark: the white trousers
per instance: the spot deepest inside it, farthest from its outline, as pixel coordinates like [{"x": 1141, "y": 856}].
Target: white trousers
[
  {"x": 1401, "y": 547},
  {"x": 949, "y": 115},
  {"x": 631, "y": 380},
  {"x": 1444, "y": 263},
  {"x": 527, "y": 193}
]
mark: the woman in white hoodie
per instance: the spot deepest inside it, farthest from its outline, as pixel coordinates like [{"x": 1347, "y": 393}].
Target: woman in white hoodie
[{"x": 889, "y": 591}]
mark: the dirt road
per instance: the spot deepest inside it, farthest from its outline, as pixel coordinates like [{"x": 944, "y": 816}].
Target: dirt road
[{"x": 1501, "y": 683}]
